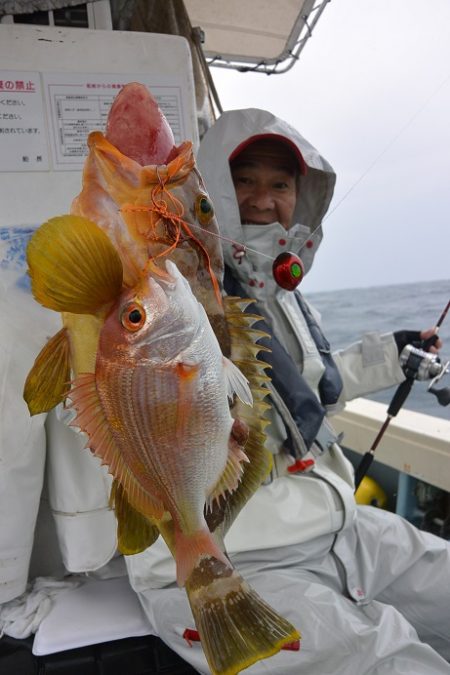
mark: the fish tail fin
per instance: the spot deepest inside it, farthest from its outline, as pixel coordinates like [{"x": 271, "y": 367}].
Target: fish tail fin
[
  {"x": 192, "y": 548},
  {"x": 236, "y": 626}
]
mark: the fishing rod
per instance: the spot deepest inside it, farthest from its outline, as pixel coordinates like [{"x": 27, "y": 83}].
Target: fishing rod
[{"x": 417, "y": 364}]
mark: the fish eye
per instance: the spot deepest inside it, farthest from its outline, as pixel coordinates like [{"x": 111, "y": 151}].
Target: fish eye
[
  {"x": 203, "y": 209},
  {"x": 133, "y": 317}
]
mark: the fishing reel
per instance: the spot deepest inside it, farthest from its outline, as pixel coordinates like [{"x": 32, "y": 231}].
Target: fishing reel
[{"x": 418, "y": 364}]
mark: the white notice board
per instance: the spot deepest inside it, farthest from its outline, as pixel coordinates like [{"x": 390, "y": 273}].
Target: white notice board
[{"x": 56, "y": 86}]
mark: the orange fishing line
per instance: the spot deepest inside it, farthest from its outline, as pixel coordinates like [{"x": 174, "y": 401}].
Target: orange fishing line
[{"x": 160, "y": 207}]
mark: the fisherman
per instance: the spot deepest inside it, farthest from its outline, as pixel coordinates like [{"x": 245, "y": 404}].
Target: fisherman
[
  {"x": 369, "y": 592},
  {"x": 301, "y": 542}
]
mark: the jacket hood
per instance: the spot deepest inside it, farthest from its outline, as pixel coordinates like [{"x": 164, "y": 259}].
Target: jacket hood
[{"x": 235, "y": 128}]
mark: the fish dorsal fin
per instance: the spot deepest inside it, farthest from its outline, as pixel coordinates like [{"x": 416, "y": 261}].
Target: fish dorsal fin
[
  {"x": 48, "y": 381},
  {"x": 73, "y": 266},
  {"x": 135, "y": 532},
  {"x": 91, "y": 418},
  {"x": 237, "y": 383},
  {"x": 244, "y": 349},
  {"x": 231, "y": 475}
]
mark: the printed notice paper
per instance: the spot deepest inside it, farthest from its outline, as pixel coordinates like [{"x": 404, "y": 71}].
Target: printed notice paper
[{"x": 45, "y": 118}]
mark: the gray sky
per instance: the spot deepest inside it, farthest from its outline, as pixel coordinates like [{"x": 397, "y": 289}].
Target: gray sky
[{"x": 372, "y": 92}]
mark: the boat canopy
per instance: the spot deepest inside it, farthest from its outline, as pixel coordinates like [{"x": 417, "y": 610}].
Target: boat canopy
[{"x": 255, "y": 34}]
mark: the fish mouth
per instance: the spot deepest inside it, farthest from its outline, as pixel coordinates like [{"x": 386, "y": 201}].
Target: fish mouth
[{"x": 137, "y": 127}]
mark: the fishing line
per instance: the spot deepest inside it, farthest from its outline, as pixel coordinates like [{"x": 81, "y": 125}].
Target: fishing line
[
  {"x": 222, "y": 237},
  {"x": 171, "y": 216},
  {"x": 389, "y": 145},
  {"x": 248, "y": 248},
  {"x": 287, "y": 268}
]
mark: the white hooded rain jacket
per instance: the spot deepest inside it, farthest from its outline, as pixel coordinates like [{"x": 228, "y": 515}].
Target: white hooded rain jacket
[{"x": 356, "y": 581}]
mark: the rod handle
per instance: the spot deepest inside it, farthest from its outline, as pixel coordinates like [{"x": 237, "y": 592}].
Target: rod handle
[
  {"x": 400, "y": 396},
  {"x": 363, "y": 468}
]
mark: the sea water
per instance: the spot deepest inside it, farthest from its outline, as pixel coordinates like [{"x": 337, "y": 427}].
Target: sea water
[{"x": 347, "y": 314}]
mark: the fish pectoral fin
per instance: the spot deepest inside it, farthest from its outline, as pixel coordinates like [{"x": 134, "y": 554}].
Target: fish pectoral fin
[
  {"x": 91, "y": 418},
  {"x": 237, "y": 383},
  {"x": 231, "y": 475},
  {"x": 73, "y": 266},
  {"x": 135, "y": 532},
  {"x": 48, "y": 381},
  {"x": 236, "y": 626},
  {"x": 187, "y": 371}
]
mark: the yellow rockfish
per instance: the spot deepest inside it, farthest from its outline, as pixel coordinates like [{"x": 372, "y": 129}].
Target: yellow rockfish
[
  {"x": 149, "y": 380},
  {"x": 148, "y": 196}
]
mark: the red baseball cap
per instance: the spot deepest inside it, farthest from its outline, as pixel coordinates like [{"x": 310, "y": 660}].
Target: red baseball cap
[{"x": 270, "y": 146}]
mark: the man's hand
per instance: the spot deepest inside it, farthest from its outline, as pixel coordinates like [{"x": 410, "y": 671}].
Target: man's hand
[
  {"x": 434, "y": 345},
  {"x": 417, "y": 338}
]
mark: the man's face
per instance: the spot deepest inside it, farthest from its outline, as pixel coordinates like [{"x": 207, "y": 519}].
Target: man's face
[{"x": 266, "y": 191}]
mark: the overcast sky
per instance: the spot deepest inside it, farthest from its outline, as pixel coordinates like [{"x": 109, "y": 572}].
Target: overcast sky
[{"x": 372, "y": 92}]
